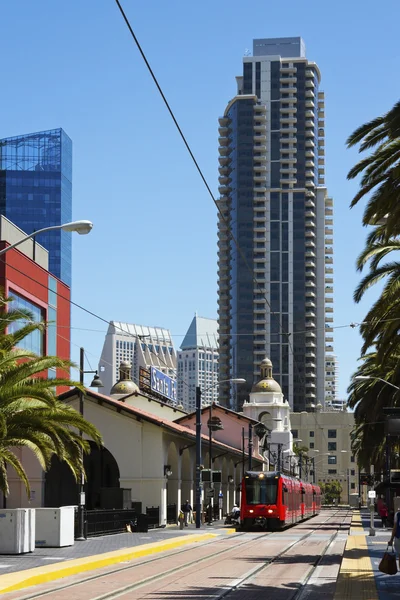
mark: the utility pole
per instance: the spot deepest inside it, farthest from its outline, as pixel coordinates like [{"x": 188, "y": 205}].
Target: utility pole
[
  {"x": 243, "y": 451},
  {"x": 198, "y": 457},
  {"x": 279, "y": 456},
  {"x": 81, "y": 505},
  {"x": 250, "y": 445},
  {"x": 300, "y": 464}
]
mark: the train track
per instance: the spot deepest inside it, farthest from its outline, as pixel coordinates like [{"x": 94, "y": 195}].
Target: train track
[{"x": 220, "y": 551}]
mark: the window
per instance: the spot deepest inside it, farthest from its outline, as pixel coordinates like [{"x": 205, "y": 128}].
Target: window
[
  {"x": 353, "y": 472},
  {"x": 311, "y": 445},
  {"x": 332, "y": 460},
  {"x": 331, "y": 446},
  {"x": 353, "y": 486},
  {"x": 331, "y": 433},
  {"x": 311, "y": 433},
  {"x": 33, "y": 341},
  {"x": 351, "y": 458},
  {"x": 295, "y": 433},
  {"x": 332, "y": 471}
]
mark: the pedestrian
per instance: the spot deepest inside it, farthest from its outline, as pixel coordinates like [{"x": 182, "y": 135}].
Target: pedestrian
[
  {"x": 186, "y": 509},
  {"x": 395, "y": 537},
  {"x": 383, "y": 513}
]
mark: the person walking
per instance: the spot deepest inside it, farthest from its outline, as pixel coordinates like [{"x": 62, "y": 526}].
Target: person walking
[
  {"x": 186, "y": 509},
  {"x": 383, "y": 513},
  {"x": 395, "y": 537}
]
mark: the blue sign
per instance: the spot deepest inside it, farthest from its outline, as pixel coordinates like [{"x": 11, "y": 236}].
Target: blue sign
[{"x": 162, "y": 384}]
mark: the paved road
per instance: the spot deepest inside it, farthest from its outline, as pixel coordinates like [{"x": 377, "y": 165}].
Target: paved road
[{"x": 297, "y": 564}]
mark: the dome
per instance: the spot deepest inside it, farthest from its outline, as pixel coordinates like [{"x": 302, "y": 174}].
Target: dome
[
  {"x": 267, "y": 383},
  {"x": 124, "y": 385}
]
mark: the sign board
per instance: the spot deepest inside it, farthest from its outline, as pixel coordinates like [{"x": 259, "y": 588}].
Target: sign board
[
  {"x": 210, "y": 493},
  {"x": 372, "y": 494},
  {"x": 394, "y": 476},
  {"x": 217, "y": 476},
  {"x": 206, "y": 475},
  {"x": 220, "y": 502},
  {"x": 82, "y": 498},
  {"x": 163, "y": 384}
]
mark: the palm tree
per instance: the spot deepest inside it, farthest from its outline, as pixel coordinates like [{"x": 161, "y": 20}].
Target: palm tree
[
  {"x": 381, "y": 171},
  {"x": 368, "y": 397},
  {"x": 381, "y": 324},
  {"x": 31, "y": 416}
]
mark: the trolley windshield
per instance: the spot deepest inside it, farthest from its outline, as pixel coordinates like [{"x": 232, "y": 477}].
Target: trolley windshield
[{"x": 261, "y": 491}]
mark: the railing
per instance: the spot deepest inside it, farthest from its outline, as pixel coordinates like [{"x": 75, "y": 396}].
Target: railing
[
  {"x": 105, "y": 522},
  {"x": 171, "y": 514},
  {"x": 153, "y": 516}
]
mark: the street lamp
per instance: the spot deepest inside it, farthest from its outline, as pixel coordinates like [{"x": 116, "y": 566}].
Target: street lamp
[
  {"x": 198, "y": 445},
  {"x": 81, "y": 227},
  {"x": 365, "y": 377},
  {"x": 96, "y": 383}
]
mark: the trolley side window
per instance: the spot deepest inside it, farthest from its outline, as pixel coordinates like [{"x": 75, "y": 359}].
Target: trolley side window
[{"x": 261, "y": 491}]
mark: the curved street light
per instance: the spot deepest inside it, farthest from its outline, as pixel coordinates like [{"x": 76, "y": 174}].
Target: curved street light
[
  {"x": 82, "y": 227},
  {"x": 365, "y": 377}
]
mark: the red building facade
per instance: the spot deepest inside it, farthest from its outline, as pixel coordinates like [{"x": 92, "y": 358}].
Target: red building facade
[{"x": 32, "y": 287}]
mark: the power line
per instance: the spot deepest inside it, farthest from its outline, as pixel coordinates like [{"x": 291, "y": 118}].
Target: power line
[{"x": 222, "y": 216}]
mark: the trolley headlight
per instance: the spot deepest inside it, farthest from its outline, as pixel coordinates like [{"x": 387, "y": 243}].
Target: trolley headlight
[
  {"x": 270, "y": 510},
  {"x": 251, "y": 510}
]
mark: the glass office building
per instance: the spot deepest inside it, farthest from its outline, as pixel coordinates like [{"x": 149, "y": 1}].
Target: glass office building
[
  {"x": 275, "y": 295},
  {"x": 36, "y": 191}
]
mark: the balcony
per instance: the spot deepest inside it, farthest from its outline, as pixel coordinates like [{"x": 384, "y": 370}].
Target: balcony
[
  {"x": 224, "y": 160},
  {"x": 259, "y": 148},
  {"x": 287, "y": 169},
  {"x": 260, "y": 118},
  {"x": 328, "y": 211},
  {"x": 260, "y": 158},
  {"x": 224, "y": 179},
  {"x": 321, "y": 152},
  {"x": 310, "y": 304},
  {"x": 328, "y": 309},
  {"x": 224, "y": 150},
  {"x": 309, "y": 203},
  {"x": 310, "y": 83},
  {"x": 224, "y": 141},
  {"x": 310, "y": 183},
  {"x": 328, "y": 279},
  {"x": 288, "y": 119},
  {"x": 310, "y": 234},
  {"x": 310, "y": 153},
  {"x": 259, "y": 128},
  {"x": 328, "y": 300},
  {"x": 311, "y": 264},
  {"x": 224, "y": 131},
  {"x": 288, "y": 78},
  {"x": 259, "y": 188},
  {"x": 328, "y": 319},
  {"x": 259, "y": 177},
  {"x": 328, "y": 250},
  {"x": 260, "y": 108},
  {"x": 310, "y": 253},
  {"x": 288, "y": 90},
  {"x": 260, "y": 138},
  {"x": 328, "y": 261},
  {"x": 288, "y": 108},
  {"x": 328, "y": 348},
  {"x": 288, "y": 150},
  {"x": 224, "y": 189},
  {"x": 259, "y": 168},
  {"x": 289, "y": 69},
  {"x": 328, "y": 270},
  {"x": 328, "y": 221}
]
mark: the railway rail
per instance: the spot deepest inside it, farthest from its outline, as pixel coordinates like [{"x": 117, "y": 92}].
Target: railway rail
[{"x": 199, "y": 565}]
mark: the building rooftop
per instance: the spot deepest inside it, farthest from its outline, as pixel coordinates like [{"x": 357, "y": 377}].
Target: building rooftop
[
  {"x": 130, "y": 329},
  {"x": 202, "y": 333},
  {"x": 287, "y": 47}
]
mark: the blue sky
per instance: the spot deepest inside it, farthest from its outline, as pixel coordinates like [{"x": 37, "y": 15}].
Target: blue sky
[{"x": 151, "y": 257}]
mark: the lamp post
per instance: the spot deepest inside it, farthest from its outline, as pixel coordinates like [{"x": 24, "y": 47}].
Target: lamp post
[
  {"x": 365, "y": 377},
  {"x": 96, "y": 383},
  {"x": 198, "y": 446},
  {"x": 81, "y": 227}
]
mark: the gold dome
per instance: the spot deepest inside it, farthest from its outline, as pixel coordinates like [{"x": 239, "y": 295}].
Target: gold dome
[
  {"x": 124, "y": 385},
  {"x": 267, "y": 383}
]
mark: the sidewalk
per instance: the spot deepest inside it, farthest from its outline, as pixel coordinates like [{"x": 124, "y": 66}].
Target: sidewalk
[
  {"x": 359, "y": 577},
  {"x": 48, "y": 564}
]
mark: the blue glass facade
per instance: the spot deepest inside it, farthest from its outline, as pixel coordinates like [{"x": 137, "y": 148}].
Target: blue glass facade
[
  {"x": 36, "y": 191},
  {"x": 241, "y": 296},
  {"x": 35, "y": 340}
]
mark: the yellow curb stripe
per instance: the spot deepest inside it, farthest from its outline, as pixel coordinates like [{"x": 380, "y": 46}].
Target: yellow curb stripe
[
  {"x": 229, "y": 531},
  {"x": 18, "y": 580},
  {"x": 356, "y": 578}
]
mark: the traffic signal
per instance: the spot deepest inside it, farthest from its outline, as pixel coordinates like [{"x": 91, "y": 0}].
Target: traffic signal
[{"x": 366, "y": 479}]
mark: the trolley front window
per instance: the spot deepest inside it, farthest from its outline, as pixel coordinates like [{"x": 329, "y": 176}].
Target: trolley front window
[{"x": 261, "y": 491}]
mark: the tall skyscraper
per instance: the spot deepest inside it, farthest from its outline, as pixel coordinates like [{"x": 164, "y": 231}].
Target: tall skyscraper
[
  {"x": 274, "y": 200},
  {"x": 36, "y": 191},
  {"x": 139, "y": 345},
  {"x": 198, "y": 363}
]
